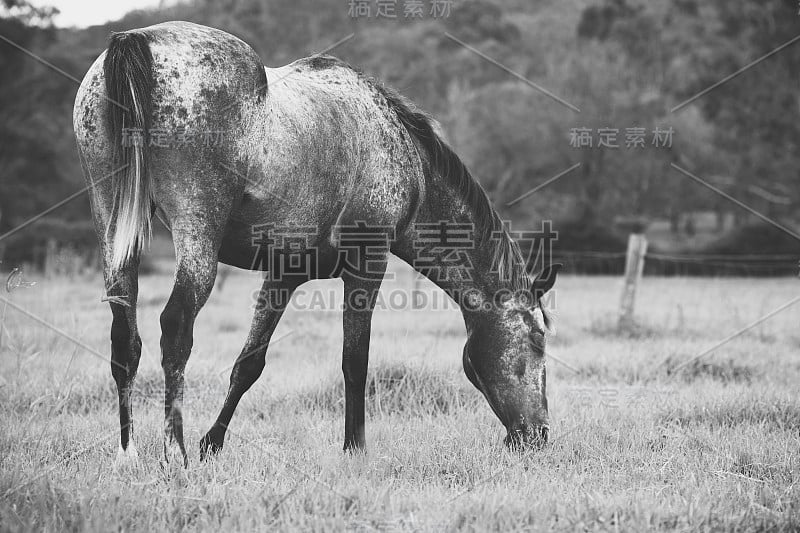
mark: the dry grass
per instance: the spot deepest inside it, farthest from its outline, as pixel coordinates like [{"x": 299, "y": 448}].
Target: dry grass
[{"x": 636, "y": 446}]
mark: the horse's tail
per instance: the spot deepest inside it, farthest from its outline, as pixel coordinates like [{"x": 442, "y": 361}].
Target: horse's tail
[{"x": 129, "y": 78}]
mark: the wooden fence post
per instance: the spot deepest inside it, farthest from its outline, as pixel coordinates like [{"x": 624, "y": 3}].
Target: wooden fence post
[
  {"x": 634, "y": 265},
  {"x": 50, "y": 262}
]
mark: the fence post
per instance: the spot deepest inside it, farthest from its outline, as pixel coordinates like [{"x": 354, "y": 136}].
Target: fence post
[
  {"x": 50, "y": 258},
  {"x": 634, "y": 265}
]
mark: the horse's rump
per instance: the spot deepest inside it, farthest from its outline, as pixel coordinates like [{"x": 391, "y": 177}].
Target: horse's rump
[{"x": 165, "y": 99}]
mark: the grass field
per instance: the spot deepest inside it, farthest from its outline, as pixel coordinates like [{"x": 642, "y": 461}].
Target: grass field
[{"x": 714, "y": 446}]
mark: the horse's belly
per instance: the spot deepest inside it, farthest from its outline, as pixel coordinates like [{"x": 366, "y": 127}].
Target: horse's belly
[{"x": 263, "y": 236}]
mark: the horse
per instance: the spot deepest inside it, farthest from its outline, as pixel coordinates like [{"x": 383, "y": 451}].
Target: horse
[{"x": 314, "y": 144}]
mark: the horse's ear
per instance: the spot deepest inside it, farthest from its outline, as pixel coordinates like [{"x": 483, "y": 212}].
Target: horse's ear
[{"x": 545, "y": 280}]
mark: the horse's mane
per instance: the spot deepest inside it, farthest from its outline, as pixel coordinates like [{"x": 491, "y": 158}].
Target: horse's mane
[{"x": 489, "y": 228}]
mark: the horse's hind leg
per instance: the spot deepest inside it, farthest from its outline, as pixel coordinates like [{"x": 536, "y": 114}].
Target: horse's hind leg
[
  {"x": 122, "y": 288},
  {"x": 272, "y": 301},
  {"x": 126, "y": 347},
  {"x": 196, "y": 247}
]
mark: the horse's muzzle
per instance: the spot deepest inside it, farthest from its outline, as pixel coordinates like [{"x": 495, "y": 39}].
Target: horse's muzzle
[{"x": 526, "y": 437}]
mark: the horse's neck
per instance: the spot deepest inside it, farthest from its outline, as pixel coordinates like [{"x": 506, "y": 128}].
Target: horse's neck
[{"x": 472, "y": 278}]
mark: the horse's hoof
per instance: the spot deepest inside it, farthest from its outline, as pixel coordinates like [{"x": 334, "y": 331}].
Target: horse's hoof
[
  {"x": 209, "y": 446},
  {"x": 127, "y": 456},
  {"x": 355, "y": 448},
  {"x": 174, "y": 454}
]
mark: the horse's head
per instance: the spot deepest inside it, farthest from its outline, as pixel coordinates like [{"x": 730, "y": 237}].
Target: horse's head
[{"x": 505, "y": 359}]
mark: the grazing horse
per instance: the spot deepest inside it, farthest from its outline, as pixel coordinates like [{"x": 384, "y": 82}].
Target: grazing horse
[{"x": 312, "y": 145}]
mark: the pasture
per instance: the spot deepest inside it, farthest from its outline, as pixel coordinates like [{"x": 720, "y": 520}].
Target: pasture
[{"x": 634, "y": 445}]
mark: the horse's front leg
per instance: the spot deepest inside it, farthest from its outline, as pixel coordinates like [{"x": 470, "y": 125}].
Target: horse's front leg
[
  {"x": 272, "y": 301},
  {"x": 122, "y": 288},
  {"x": 360, "y": 293}
]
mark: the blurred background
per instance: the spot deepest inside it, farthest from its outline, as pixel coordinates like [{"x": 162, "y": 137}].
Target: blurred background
[{"x": 627, "y": 65}]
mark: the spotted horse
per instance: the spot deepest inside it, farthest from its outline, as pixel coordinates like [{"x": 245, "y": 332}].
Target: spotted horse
[{"x": 313, "y": 144}]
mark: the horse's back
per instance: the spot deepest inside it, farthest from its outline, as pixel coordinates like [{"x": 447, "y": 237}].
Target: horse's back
[{"x": 327, "y": 138}]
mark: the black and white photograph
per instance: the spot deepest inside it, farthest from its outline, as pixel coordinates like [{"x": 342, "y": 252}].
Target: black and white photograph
[{"x": 399, "y": 265}]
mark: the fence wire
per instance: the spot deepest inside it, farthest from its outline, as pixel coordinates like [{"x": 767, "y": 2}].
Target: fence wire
[{"x": 664, "y": 264}]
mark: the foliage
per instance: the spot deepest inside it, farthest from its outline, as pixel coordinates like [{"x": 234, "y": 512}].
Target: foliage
[{"x": 624, "y": 63}]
